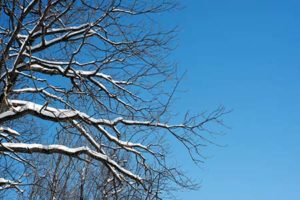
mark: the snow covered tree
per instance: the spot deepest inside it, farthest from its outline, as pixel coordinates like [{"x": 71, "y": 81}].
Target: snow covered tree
[{"x": 85, "y": 92}]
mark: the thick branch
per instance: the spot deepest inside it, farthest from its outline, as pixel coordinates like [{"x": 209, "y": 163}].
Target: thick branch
[{"x": 74, "y": 152}]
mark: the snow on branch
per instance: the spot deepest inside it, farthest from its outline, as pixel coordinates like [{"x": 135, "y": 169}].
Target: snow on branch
[
  {"x": 21, "y": 108},
  {"x": 9, "y": 131},
  {"x": 5, "y": 184},
  {"x": 61, "y": 149}
]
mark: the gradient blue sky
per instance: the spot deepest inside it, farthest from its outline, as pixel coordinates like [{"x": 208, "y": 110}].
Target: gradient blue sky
[{"x": 244, "y": 54}]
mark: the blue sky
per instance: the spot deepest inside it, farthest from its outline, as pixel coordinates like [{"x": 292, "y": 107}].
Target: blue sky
[{"x": 245, "y": 55}]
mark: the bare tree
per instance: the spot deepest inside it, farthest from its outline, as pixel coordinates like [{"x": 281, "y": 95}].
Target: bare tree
[{"x": 84, "y": 101}]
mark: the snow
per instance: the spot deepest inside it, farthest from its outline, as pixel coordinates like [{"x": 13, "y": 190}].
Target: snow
[
  {"x": 9, "y": 131},
  {"x": 55, "y": 148},
  {"x": 55, "y": 114}
]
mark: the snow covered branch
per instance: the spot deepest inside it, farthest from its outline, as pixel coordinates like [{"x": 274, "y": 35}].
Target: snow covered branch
[{"x": 50, "y": 149}]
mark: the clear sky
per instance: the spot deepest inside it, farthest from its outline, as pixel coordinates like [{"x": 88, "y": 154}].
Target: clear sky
[{"x": 245, "y": 55}]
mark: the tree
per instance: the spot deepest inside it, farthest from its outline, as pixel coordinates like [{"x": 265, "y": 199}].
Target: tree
[{"x": 85, "y": 101}]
